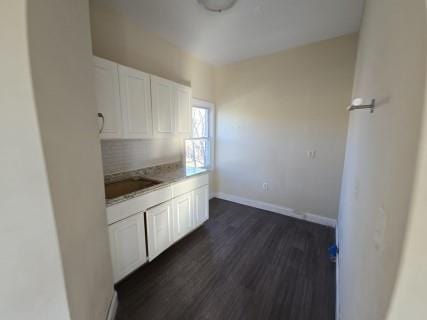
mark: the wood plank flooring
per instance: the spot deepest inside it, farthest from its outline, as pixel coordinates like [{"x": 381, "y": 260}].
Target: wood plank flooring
[{"x": 244, "y": 263}]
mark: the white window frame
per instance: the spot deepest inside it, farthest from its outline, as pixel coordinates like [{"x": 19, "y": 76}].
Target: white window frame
[{"x": 198, "y": 103}]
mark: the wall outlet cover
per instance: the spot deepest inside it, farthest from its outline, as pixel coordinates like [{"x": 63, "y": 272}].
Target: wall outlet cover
[{"x": 265, "y": 186}]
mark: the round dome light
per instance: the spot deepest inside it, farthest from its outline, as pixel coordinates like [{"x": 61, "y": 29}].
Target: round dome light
[{"x": 217, "y": 5}]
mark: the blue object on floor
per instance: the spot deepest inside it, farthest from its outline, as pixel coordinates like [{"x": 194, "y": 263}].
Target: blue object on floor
[{"x": 333, "y": 252}]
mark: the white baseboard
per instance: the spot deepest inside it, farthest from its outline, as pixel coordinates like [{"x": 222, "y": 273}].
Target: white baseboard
[
  {"x": 277, "y": 209},
  {"x": 113, "y": 307}
]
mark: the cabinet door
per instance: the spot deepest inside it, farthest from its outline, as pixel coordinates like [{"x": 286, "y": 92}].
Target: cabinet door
[
  {"x": 159, "y": 229},
  {"x": 182, "y": 110},
  {"x": 182, "y": 215},
  {"x": 162, "y": 94},
  {"x": 201, "y": 205},
  {"x": 108, "y": 97},
  {"x": 127, "y": 243},
  {"x": 136, "y": 103}
]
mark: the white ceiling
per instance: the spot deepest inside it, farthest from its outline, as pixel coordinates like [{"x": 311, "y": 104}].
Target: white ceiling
[{"x": 251, "y": 28}]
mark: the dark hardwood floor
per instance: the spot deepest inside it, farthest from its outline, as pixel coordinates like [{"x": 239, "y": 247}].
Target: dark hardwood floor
[{"x": 244, "y": 263}]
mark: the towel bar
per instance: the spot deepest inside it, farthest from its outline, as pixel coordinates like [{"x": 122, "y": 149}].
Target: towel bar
[{"x": 357, "y": 105}]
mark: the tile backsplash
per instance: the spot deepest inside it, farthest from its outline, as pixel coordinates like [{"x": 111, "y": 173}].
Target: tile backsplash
[{"x": 125, "y": 155}]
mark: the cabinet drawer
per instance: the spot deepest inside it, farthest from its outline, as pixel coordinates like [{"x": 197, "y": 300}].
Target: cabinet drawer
[
  {"x": 129, "y": 207},
  {"x": 188, "y": 185}
]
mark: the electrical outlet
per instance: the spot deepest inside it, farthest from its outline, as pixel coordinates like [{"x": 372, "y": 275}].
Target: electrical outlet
[
  {"x": 311, "y": 154},
  {"x": 265, "y": 186}
]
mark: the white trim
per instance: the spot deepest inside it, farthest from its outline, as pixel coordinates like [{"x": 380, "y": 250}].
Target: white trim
[
  {"x": 277, "y": 209},
  {"x": 325, "y": 221},
  {"x": 337, "y": 278},
  {"x": 113, "y": 307},
  {"x": 202, "y": 103}
]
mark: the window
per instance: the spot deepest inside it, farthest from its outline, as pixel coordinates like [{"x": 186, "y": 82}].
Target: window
[{"x": 198, "y": 148}]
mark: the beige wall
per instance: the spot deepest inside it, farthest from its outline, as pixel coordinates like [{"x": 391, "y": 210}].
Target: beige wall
[
  {"x": 271, "y": 110},
  {"x": 61, "y": 63},
  {"x": 302, "y": 91},
  {"x": 381, "y": 156},
  {"x": 31, "y": 276},
  {"x": 409, "y": 298}
]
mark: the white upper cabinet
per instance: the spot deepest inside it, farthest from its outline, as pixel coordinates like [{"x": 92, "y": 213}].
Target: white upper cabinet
[
  {"x": 108, "y": 98},
  {"x": 136, "y": 103},
  {"x": 183, "y": 110},
  {"x": 162, "y": 92}
]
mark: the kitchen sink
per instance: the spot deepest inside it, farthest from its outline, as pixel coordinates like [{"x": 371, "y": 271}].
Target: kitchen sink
[{"x": 123, "y": 187}]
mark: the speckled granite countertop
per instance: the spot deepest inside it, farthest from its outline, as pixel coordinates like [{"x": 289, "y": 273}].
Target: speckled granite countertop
[{"x": 165, "y": 174}]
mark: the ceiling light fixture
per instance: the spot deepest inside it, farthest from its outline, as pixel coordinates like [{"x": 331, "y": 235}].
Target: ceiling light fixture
[{"x": 217, "y": 6}]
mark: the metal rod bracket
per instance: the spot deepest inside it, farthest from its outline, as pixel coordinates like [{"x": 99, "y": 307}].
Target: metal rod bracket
[{"x": 370, "y": 106}]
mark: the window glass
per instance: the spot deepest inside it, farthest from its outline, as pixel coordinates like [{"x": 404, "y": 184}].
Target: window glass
[
  {"x": 197, "y": 148},
  {"x": 197, "y": 153},
  {"x": 200, "y": 122}
]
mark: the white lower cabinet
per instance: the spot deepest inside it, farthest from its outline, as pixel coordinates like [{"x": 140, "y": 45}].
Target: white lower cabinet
[
  {"x": 201, "y": 205},
  {"x": 159, "y": 229},
  {"x": 170, "y": 221},
  {"x": 127, "y": 243},
  {"x": 170, "y": 214},
  {"x": 182, "y": 215}
]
